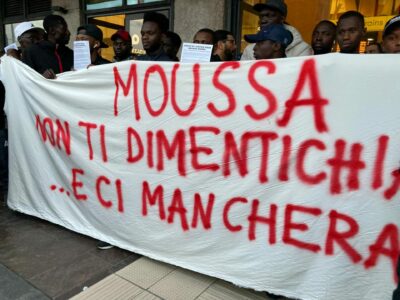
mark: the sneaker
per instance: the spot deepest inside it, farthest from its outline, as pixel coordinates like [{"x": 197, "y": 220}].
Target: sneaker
[{"x": 104, "y": 246}]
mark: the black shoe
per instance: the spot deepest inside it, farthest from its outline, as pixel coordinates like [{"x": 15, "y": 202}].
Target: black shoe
[{"x": 104, "y": 246}]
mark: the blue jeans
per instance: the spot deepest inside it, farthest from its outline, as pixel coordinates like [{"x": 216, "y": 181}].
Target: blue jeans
[{"x": 4, "y": 158}]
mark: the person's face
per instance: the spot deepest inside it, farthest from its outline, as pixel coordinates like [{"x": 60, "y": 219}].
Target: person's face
[
  {"x": 26, "y": 40},
  {"x": 93, "y": 43},
  {"x": 40, "y": 35},
  {"x": 61, "y": 33},
  {"x": 67, "y": 37},
  {"x": 230, "y": 47},
  {"x": 322, "y": 38},
  {"x": 391, "y": 42},
  {"x": 169, "y": 47},
  {"x": 349, "y": 35},
  {"x": 268, "y": 16},
  {"x": 264, "y": 50},
  {"x": 230, "y": 43},
  {"x": 151, "y": 36},
  {"x": 122, "y": 48},
  {"x": 372, "y": 49},
  {"x": 203, "y": 38}
]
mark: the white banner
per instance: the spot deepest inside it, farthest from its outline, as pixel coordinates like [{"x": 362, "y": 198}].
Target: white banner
[{"x": 280, "y": 176}]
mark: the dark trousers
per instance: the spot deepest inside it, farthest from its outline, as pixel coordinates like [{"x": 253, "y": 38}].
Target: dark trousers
[
  {"x": 396, "y": 293},
  {"x": 3, "y": 158}
]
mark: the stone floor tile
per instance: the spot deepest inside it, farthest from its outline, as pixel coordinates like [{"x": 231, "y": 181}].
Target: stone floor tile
[
  {"x": 14, "y": 287},
  {"x": 110, "y": 288},
  {"x": 125, "y": 262},
  {"x": 34, "y": 251},
  {"x": 145, "y": 272},
  {"x": 57, "y": 281},
  {"x": 57, "y": 260},
  {"x": 146, "y": 296},
  {"x": 7, "y": 215},
  {"x": 225, "y": 290},
  {"x": 181, "y": 284}
]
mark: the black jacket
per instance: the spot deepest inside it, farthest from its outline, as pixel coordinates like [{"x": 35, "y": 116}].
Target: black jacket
[
  {"x": 215, "y": 58},
  {"x": 159, "y": 56},
  {"x": 396, "y": 293},
  {"x": 44, "y": 55},
  {"x": 100, "y": 61}
]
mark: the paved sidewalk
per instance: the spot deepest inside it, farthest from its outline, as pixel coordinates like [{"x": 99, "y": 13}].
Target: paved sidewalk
[
  {"x": 40, "y": 260},
  {"x": 14, "y": 287},
  {"x": 147, "y": 279}
]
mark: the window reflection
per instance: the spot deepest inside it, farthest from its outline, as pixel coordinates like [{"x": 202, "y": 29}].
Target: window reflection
[
  {"x": 131, "y": 2},
  {"x": 368, "y": 8},
  {"x": 108, "y": 25},
  {"x": 100, "y": 4},
  {"x": 135, "y": 26}
]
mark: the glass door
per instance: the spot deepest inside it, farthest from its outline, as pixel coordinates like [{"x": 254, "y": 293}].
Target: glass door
[
  {"x": 108, "y": 25},
  {"x": 133, "y": 23}
]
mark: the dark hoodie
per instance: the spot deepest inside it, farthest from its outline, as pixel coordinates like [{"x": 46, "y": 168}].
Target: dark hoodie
[{"x": 44, "y": 55}]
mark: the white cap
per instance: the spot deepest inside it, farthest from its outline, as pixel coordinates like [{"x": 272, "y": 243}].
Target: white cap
[{"x": 21, "y": 28}]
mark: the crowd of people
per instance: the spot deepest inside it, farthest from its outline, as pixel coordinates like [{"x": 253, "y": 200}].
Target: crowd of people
[{"x": 46, "y": 51}]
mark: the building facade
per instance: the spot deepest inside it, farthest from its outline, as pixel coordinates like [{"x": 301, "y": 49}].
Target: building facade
[{"x": 187, "y": 16}]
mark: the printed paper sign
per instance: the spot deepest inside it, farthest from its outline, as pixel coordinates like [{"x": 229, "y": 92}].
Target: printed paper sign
[
  {"x": 279, "y": 175},
  {"x": 196, "y": 53},
  {"x": 81, "y": 55}
]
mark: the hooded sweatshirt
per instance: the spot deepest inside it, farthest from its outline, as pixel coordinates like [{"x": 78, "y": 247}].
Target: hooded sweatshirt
[{"x": 296, "y": 48}]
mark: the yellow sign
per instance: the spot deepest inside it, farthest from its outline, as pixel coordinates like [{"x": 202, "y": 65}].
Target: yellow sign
[{"x": 376, "y": 23}]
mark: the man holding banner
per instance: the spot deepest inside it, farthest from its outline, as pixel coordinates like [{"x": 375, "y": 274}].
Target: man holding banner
[
  {"x": 268, "y": 174},
  {"x": 51, "y": 56}
]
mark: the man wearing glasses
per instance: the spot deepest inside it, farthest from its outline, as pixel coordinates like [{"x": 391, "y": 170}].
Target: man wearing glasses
[
  {"x": 224, "y": 47},
  {"x": 27, "y": 34}
]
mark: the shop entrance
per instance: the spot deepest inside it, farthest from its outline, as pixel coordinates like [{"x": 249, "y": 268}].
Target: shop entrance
[{"x": 130, "y": 22}]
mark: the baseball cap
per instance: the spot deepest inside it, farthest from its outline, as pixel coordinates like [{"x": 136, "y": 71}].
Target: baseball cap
[
  {"x": 272, "y": 32},
  {"x": 391, "y": 24},
  {"x": 23, "y": 27},
  {"x": 278, "y": 5},
  {"x": 123, "y": 35},
  {"x": 93, "y": 31}
]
